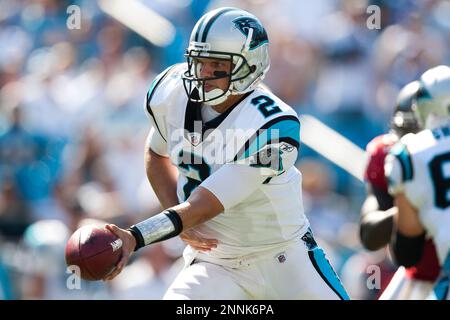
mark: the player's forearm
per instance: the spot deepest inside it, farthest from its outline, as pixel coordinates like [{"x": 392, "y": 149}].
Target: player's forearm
[
  {"x": 162, "y": 176},
  {"x": 201, "y": 206},
  {"x": 408, "y": 223},
  {"x": 206, "y": 202}
]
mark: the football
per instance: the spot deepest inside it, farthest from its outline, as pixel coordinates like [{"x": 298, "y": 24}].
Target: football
[{"x": 95, "y": 250}]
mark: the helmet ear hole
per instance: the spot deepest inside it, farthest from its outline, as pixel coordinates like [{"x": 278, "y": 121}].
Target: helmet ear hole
[{"x": 252, "y": 68}]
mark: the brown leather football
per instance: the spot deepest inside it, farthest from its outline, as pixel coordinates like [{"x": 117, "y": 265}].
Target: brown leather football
[{"x": 95, "y": 250}]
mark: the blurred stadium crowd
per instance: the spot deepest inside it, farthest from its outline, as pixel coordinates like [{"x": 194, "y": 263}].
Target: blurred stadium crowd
[{"x": 72, "y": 125}]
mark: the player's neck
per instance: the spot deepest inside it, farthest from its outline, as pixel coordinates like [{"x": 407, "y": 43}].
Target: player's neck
[{"x": 224, "y": 106}]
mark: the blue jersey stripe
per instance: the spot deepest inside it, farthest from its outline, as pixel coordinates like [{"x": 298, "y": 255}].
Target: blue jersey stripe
[
  {"x": 156, "y": 82},
  {"x": 286, "y": 128},
  {"x": 401, "y": 152},
  {"x": 283, "y": 129},
  {"x": 325, "y": 270}
]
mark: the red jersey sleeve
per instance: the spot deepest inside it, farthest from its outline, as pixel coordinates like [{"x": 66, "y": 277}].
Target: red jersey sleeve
[{"x": 377, "y": 150}]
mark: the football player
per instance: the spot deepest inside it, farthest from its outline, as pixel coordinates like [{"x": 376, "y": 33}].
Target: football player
[
  {"x": 234, "y": 144},
  {"x": 378, "y": 213},
  {"x": 417, "y": 169}
]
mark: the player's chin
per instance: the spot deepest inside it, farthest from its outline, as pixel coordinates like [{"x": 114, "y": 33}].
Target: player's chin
[{"x": 209, "y": 87}]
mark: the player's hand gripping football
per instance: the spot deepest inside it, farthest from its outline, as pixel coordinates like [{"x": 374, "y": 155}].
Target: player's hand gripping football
[
  {"x": 193, "y": 238},
  {"x": 128, "y": 245}
]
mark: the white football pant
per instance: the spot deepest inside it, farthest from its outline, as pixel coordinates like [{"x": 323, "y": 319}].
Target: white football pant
[{"x": 301, "y": 271}]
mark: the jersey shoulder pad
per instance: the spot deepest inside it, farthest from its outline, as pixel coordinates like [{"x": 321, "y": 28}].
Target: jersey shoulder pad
[
  {"x": 264, "y": 118},
  {"x": 377, "y": 149},
  {"x": 398, "y": 167},
  {"x": 381, "y": 144},
  {"x": 283, "y": 128},
  {"x": 420, "y": 141},
  {"x": 262, "y": 106},
  {"x": 164, "y": 88},
  {"x": 408, "y": 139},
  {"x": 272, "y": 159},
  {"x": 268, "y": 104},
  {"x": 274, "y": 144}
]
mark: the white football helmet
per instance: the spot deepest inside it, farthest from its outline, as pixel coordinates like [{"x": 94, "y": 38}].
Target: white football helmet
[
  {"x": 231, "y": 34},
  {"x": 432, "y": 105}
]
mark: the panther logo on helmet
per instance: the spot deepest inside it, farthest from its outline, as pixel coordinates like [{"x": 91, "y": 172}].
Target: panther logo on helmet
[{"x": 258, "y": 34}]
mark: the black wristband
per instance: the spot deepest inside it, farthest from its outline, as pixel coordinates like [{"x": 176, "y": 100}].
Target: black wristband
[
  {"x": 407, "y": 251},
  {"x": 137, "y": 236}
]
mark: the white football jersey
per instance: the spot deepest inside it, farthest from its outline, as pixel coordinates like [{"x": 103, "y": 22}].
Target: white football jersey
[
  {"x": 259, "y": 132},
  {"x": 419, "y": 166}
]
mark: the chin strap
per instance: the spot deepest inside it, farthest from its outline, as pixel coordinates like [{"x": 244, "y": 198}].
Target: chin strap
[{"x": 216, "y": 92}]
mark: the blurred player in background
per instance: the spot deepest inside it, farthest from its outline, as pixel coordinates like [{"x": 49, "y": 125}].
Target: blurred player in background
[
  {"x": 244, "y": 191},
  {"x": 417, "y": 169},
  {"x": 378, "y": 214}
]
